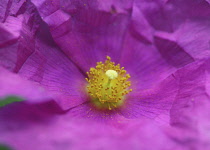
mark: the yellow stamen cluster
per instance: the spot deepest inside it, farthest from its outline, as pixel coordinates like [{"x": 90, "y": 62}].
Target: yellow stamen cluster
[{"x": 108, "y": 84}]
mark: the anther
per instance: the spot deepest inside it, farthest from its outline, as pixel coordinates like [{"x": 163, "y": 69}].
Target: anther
[{"x": 108, "y": 83}]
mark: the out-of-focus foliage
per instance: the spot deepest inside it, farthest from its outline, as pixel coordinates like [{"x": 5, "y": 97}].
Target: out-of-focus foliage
[
  {"x": 4, "y": 147},
  {"x": 9, "y": 100}
]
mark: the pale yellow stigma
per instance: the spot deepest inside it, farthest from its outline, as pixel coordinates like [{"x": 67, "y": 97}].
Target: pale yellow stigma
[
  {"x": 108, "y": 84},
  {"x": 111, "y": 74}
]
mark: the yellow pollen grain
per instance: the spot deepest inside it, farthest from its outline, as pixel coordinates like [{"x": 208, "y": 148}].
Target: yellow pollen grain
[{"x": 108, "y": 84}]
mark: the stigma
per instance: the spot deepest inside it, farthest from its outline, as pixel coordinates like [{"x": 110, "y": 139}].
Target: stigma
[
  {"x": 108, "y": 84},
  {"x": 111, "y": 74}
]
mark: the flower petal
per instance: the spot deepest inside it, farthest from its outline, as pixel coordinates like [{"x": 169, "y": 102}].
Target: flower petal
[
  {"x": 153, "y": 48},
  {"x": 35, "y": 56},
  {"x": 92, "y": 30},
  {"x": 54, "y": 71},
  {"x": 173, "y": 13},
  {"x": 194, "y": 37},
  {"x": 43, "y": 126},
  {"x": 149, "y": 58},
  {"x": 19, "y": 29},
  {"x": 10, "y": 33},
  {"x": 154, "y": 103},
  {"x": 13, "y": 85},
  {"x": 190, "y": 111},
  {"x": 144, "y": 63}
]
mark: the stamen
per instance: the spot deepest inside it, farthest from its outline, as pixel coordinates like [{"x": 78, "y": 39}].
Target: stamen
[{"x": 108, "y": 84}]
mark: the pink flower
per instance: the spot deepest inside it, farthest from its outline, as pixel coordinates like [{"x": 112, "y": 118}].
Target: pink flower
[{"x": 48, "y": 46}]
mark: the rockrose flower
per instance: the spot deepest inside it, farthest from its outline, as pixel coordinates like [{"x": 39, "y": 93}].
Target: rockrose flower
[{"x": 105, "y": 75}]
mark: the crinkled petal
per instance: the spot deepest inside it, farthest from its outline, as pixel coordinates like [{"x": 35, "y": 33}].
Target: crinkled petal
[
  {"x": 179, "y": 36},
  {"x": 145, "y": 64},
  {"x": 191, "y": 109},
  {"x": 194, "y": 37},
  {"x": 91, "y": 29},
  {"x": 152, "y": 103},
  {"x": 172, "y": 13},
  {"x": 9, "y": 8},
  {"x": 149, "y": 58},
  {"x": 35, "y": 56},
  {"x": 17, "y": 34},
  {"x": 10, "y": 33},
  {"x": 162, "y": 47},
  {"x": 3, "y": 10},
  {"x": 54, "y": 71}
]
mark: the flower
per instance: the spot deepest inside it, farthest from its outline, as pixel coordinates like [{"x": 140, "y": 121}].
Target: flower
[{"x": 48, "y": 46}]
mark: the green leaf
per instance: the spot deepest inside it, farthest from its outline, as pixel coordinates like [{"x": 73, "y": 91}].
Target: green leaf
[
  {"x": 9, "y": 100},
  {"x": 4, "y": 147}
]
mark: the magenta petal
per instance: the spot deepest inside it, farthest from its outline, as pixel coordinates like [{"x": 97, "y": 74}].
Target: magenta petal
[
  {"x": 87, "y": 29},
  {"x": 191, "y": 109},
  {"x": 115, "y": 6},
  {"x": 139, "y": 27},
  {"x": 186, "y": 21},
  {"x": 34, "y": 55},
  {"x": 194, "y": 37},
  {"x": 144, "y": 63},
  {"x": 192, "y": 84},
  {"x": 46, "y": 7},
  {"x": 18, "y": 30},
  {"x": 172, "y": 52},
  {"x": 147, "y": 58},
  {"x": 10, "y": 8},
  {"x": 172, "y": 13},
  {"x": 152, "y": 103},
  {"x": 43, "y": 126},
  {"x": 153, "y": 48},
  {"x": 10, "y": 33},
  {"x": 3, "y": 10},
  {"x": 89, "y": 112},
  {"x": 55, "y": 72},
  {"x": 13, "y": 85}
]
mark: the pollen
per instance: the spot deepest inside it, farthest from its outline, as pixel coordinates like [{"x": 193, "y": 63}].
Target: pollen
[{"x": 108, "y": 84}]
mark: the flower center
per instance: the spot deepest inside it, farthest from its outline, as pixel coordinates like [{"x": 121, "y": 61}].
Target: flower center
[{"x": 108, "y": 84}]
